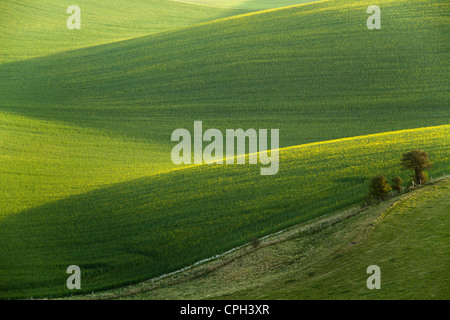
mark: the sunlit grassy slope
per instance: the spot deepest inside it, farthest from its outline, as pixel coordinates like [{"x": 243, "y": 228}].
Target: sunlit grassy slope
[
  {"x": 409, "y": 243},
  {"x": 44, "y": 161},
  {"x": 406, "y": 237},
  {"x": 314, "y": 71},
  {"x": 36, "y": 28},
  {"x": 78, "y": 121},
  {"x": 146, "y": 227}
]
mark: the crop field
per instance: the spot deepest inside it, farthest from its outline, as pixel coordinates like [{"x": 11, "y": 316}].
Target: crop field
[
  {"x": 30, "y": 29},
  {"x": 414, "y": 253},
  {"x": 44, "y": 161},
  {"x": 331, "y": 262},
  {"x": 159, "y": 224},
  {"x": 314, "y": 82},
  {"x": 86, "y": 117}
]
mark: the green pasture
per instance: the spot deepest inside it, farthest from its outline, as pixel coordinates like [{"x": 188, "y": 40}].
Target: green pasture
[
  {"x": 31, "y": 29},
  {"x": 150, "y": 226},
  {"x": 314, "y": 71},
  {"x": 86, "y": 176},
  {"x": 407, "y": 237}
]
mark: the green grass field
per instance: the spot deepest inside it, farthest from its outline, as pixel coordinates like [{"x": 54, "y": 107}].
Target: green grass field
[
  {"x": 31, "y": 29},
  {"x": 406, "y": 237},
  {"x": 159, "y": 224},
  {"x": 315, "y": 81},
  {"x": 85, "y": 170},
  {"x": 409, "y": 243}
]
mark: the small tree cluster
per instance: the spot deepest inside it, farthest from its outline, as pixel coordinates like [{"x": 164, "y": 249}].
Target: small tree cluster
[{"x": 416, "y": 160}]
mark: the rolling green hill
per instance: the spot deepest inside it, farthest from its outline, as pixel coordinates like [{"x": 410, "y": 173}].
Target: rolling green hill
[
  {"x": 313, "y": 71},
  {"x": 406, "y": 237},
  {"x": 32, "y": 29},
  {"x": 147, "y": 227},
  {"x": 288, "y": 69},
  {"x": 85, "y": 168},
  {"x": 43, "y": 161},
  {"x": 409, "y": 242}
]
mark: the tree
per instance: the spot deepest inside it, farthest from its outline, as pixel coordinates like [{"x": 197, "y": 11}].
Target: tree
[
  {"x": 379, "y": 187},
  {"x": 418, "y": 161},
  {"x": 397, "y": 184}
]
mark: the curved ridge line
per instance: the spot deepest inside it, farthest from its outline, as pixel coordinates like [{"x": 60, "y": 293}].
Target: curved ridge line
[
  {"x": 254, "y": 10},
  {"x": 200, "y": 24},
  {"x": 315, "y": 144},
  {"x": 248, "y": 14}
]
